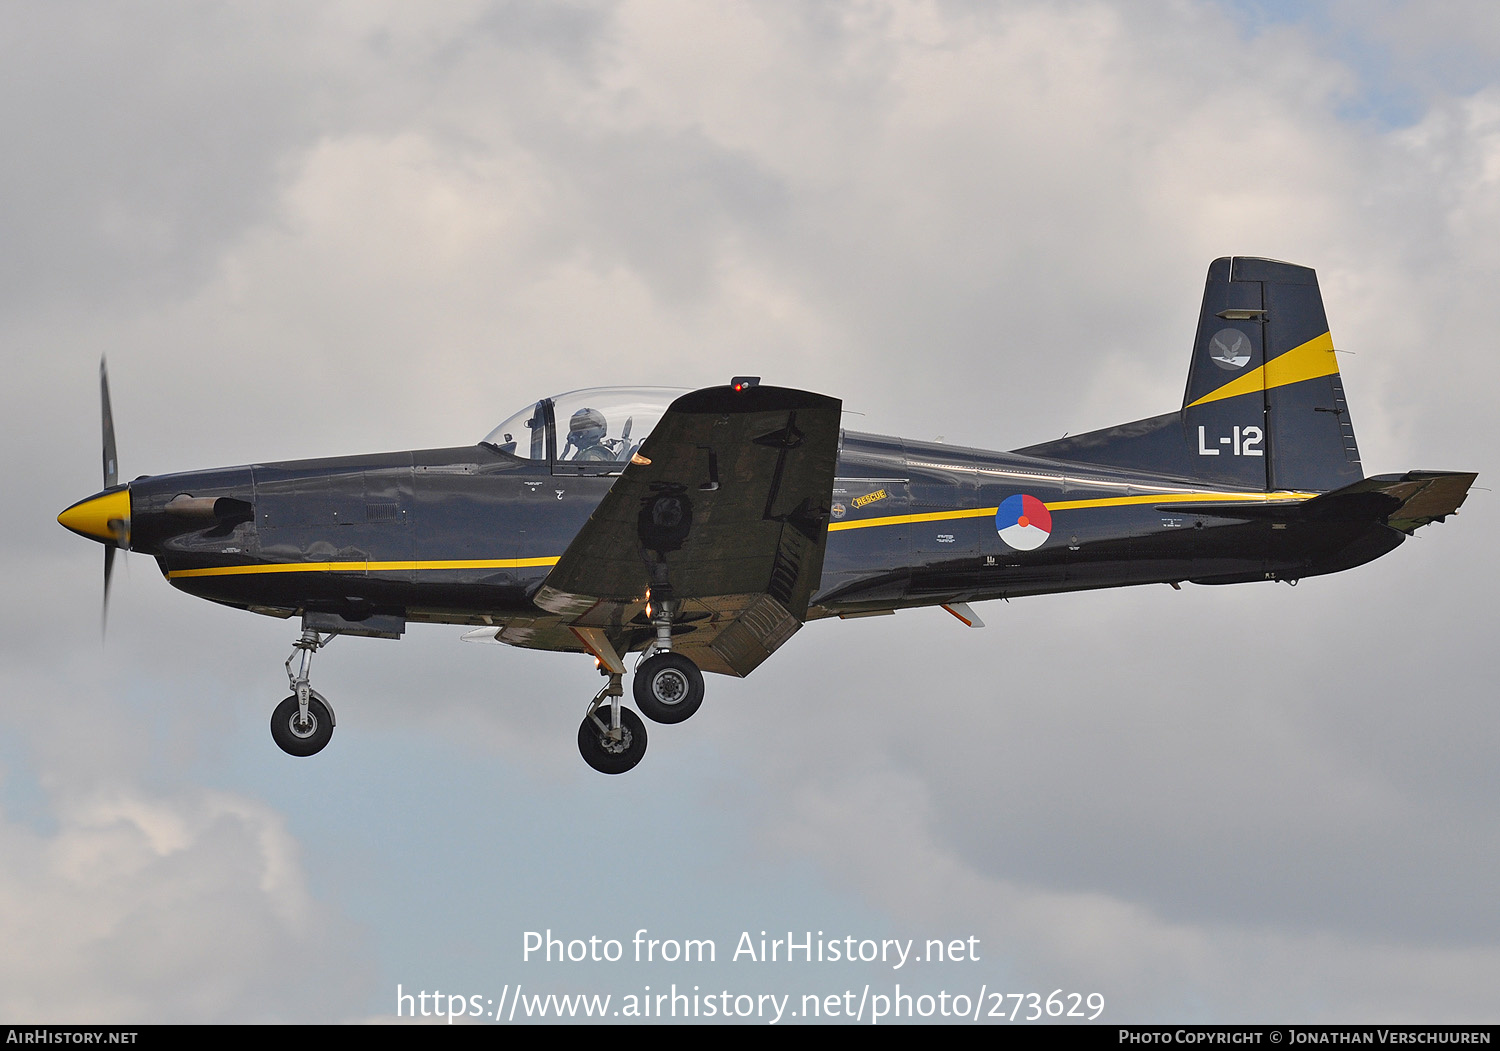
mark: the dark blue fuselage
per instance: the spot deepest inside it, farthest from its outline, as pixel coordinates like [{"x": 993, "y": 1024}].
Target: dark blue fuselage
[{"x": 467, "y": 535}]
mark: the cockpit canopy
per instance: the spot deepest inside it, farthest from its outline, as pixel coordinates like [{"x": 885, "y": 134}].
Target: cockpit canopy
[{"x": 592, "y": 431}]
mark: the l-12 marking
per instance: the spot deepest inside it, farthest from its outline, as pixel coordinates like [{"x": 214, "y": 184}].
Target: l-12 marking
[{"x": 1246, "y": 442}]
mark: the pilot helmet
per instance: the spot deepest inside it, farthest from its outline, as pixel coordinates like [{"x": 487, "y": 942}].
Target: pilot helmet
[{"x": 586, "y": 427}]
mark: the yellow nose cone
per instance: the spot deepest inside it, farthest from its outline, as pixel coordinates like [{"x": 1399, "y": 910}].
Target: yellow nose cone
[{"x": 104, "y": 517}]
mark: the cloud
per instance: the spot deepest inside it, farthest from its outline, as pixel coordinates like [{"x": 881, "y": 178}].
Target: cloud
[
  {"x": 321, "y": 232},
  {"x": 137, "y": 906}
]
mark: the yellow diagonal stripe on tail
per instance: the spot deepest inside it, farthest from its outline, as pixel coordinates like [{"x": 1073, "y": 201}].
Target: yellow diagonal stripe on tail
[{"x": 1309, "y": 361}]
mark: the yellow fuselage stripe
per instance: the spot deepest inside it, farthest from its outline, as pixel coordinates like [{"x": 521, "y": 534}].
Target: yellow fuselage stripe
[
  {"x": 365, "y": 567},
  {"x": 552, "y": 560},
  {"x": 931, "y": 516},
  {"x": 1074, "y": 505}
]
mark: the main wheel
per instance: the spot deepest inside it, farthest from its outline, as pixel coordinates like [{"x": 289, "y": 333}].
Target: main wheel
[
  {"x": 668, "y": 688},
  {"x": 608, "y": 756},
  {"x": 296, "y": 738}
]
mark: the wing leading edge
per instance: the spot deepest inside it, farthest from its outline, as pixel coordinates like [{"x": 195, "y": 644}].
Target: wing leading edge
[{"x": 722, "y": 512}]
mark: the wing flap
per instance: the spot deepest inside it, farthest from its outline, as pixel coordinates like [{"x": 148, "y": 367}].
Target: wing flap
[{"x": 755, "y": 634}]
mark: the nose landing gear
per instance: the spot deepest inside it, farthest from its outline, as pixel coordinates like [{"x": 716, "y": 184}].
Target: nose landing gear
[
  {"x": 296, "y": 734},
  {"x": 302, "y": 724}
]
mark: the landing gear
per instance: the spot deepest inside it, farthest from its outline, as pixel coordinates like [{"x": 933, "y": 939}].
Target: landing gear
[
  {"x": 668, "y": 688},
  {"x": 611, "y": 739},
  {"x": 302, "y": 724},
  {"x": 298, "y": 736}
]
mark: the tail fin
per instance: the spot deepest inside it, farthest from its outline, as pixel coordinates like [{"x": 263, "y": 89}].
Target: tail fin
[{"x": 1264, "y": 407}]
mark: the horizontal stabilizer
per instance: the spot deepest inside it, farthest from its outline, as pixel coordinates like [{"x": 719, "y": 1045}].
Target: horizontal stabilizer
[
  {"x": 1402, "y": 501},
  {"x": 1415, "y": 498}
]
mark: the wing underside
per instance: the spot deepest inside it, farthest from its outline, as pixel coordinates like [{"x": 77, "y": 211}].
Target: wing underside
[{"x": 723, "y": 513}]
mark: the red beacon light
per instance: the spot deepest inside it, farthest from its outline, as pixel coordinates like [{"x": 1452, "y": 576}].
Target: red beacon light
[{"x": 742, "y": 382}]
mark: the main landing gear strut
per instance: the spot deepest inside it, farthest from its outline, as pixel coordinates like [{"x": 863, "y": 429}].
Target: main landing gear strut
[
  {"x": 303, "y": 723},
  {"x": 668, "y": 688},
  {"x": 611, "y": 738}
]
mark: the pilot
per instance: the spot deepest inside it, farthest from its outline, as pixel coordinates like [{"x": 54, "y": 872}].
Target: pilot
[{"x": 586, "y": 432}]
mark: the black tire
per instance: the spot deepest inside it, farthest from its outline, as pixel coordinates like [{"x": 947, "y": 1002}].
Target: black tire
[
  {"x": 612, "y": 757},
  {"x": 302, "y": 741},
  {"x": 668, "y": 688}
]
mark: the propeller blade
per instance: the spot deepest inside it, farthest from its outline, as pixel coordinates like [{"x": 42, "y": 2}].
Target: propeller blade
[
  {"x": 107, "y": 416},
  {"x": 109, "y": 566},
  {"x": 111, "y": 478}
]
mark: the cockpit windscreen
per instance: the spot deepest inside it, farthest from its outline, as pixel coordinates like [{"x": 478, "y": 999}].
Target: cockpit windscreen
[{"x": 602, "y": 425}]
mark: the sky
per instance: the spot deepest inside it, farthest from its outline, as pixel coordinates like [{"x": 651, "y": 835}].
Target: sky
[{"x": 306, "y": 230}]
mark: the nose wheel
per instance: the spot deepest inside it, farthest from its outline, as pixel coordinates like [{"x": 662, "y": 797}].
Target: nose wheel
[
  {"x": 296, "y": 735},
  {"x": 302, "y": 724}
]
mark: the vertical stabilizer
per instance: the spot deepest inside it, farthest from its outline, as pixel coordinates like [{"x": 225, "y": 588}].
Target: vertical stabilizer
[{"x": 1264, "y": 405}]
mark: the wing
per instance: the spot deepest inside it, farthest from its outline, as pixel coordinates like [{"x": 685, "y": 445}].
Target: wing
[{"x": 724, "y": 511}]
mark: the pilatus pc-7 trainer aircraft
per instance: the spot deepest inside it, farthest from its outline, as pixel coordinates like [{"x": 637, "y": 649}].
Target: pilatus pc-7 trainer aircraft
[{"x": 701, "y": 529}]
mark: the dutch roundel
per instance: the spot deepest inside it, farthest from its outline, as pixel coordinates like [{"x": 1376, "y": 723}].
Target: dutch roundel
[{"x": 1023, "y": 521}]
